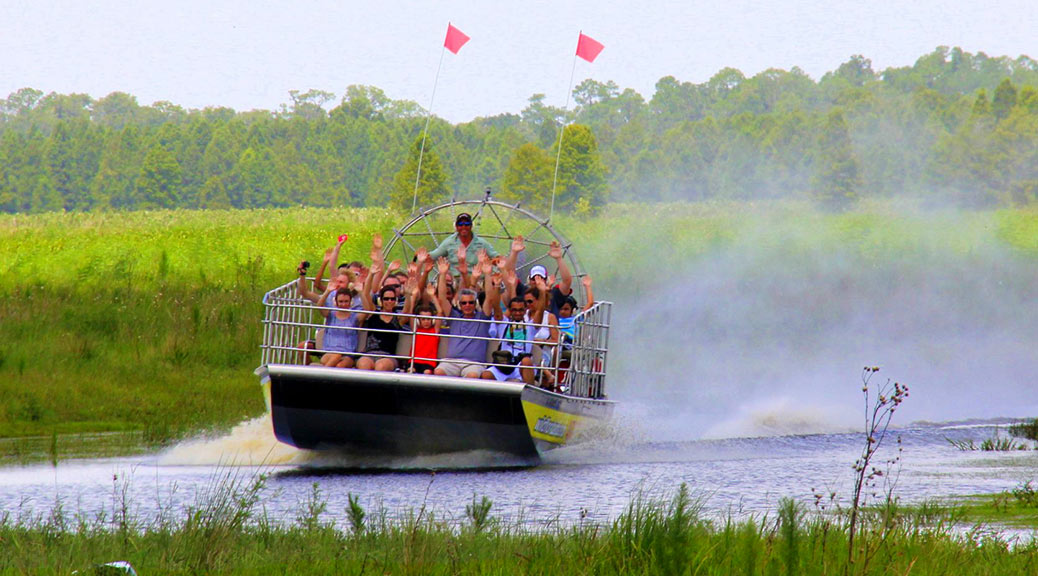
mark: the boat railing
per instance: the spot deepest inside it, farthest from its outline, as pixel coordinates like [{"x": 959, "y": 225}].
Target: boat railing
[{"x": 292, "y": 326}]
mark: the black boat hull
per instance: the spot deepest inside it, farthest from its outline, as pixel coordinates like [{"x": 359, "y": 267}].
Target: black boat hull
[{"x": 364, "y": 412}]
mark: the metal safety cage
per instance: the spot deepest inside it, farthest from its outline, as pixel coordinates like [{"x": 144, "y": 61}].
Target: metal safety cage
[
  {"x": 586, "y": 376},
  {"x": 290, "y": 322}
]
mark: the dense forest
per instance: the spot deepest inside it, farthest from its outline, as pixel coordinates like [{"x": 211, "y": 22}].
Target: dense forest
[{"x": 954, "y": 128}]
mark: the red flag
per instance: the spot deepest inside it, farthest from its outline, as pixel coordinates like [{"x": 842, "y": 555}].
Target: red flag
[
  {"x": 455, "y": 39},
  {"x": 588, "y": 48}
]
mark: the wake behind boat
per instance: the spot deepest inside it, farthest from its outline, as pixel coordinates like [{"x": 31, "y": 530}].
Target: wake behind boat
[{"x": 402, "y": 412}]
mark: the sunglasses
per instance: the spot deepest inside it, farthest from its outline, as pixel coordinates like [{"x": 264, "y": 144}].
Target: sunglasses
[
  {"x": 467, "y": 302},
  {"x": 391, "y": 298},
  {"x": 528, "y": 302},
  {"x": 464, "y": 224}
]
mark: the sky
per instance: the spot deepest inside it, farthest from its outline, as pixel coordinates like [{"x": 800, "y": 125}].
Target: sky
[{"x": 249, "y": 55}]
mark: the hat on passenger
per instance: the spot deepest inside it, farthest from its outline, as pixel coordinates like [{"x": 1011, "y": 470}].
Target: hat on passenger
[
  {"x": 463, "y": 218},
  {"x": 538, "y": 271}
]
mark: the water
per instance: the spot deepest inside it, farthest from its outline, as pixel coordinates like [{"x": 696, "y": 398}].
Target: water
[{"x": 739, "y": 476}]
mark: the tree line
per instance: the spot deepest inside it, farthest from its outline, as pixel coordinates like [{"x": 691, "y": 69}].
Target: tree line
[{"x": 954, "y": 127}]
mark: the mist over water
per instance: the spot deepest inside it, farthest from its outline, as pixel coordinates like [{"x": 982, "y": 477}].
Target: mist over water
[{"x": 768, "y": 334}]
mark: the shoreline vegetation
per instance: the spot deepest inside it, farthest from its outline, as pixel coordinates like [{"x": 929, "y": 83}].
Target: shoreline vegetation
[
  {"x": 147, "y": 323},
  {"x": 227, "y": 531},
  {"x": 955, "y": 128}
]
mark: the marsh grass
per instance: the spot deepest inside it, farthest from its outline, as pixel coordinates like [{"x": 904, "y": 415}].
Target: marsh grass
[
  {"x": 1027, "y": 429},
  {"x": 996, "y": 442},
  {"x": 227, "y": 531}
]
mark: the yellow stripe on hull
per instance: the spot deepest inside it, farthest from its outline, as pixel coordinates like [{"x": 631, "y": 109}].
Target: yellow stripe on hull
[
  {"x": 556, "y": 419},
  {"x": 550, "y": 425}
]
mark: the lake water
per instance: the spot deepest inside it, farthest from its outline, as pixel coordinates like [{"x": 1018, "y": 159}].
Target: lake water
[{"x": 595, "y": 480}]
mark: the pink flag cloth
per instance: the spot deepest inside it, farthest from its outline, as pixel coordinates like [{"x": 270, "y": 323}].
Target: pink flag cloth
[
  {"x": 456, "y": 39},
  {"x": 588, "y": 48}
]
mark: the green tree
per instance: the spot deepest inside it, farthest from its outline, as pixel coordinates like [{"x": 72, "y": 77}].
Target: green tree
[
  {"x": 1004, "y": 100},
  {"x": 115, "y": 182},
  {"x": 528, "y": 177},
  {"x": 158, "y": 185},
  {"x": 213, "y": 195},
  {"x": 116, "y": 110},
  {"x": 221, "y": 156},
  {"x": 259, "y": 179},
  {"x": 837, "y": 177},
  {"x": 541, "y": 122},
  {"x": 432, "y": 187},
  {"x": 581, "y": 184}
]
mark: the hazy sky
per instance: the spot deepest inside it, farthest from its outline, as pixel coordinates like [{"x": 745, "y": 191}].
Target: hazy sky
[{"x": 247, "y": 55}]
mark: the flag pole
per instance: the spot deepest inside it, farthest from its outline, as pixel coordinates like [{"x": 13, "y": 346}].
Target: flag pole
[
  {"x": 562, "y": 132},
  {"x": 425, "y": 131}
]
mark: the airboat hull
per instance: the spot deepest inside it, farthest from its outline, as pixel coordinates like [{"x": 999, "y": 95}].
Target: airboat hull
[{"x": 401, "y": 414}]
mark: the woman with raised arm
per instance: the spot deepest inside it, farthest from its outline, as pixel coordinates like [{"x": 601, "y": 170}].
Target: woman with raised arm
[
  {"x": 383, "y": 327},
  {"x": 340, "y": 332}
]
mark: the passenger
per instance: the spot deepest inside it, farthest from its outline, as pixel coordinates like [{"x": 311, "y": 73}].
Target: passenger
[
  {"x": 426, "y": 343},
  {"x": 462, "y": 237},
  {"x": 343, "y": 281},
  {"x": 517, "y": 336},
  {"x": 564, "y": 289},
  {"x": 546, "y": 323},
  {"x": 383, "y": 328},
  {"x": 567, "y": 328},
  {"x": 330, "y": 257},
  {"x": 536, "y": 303},
  {"x": 467, "y": 348},
  {"x": 340, "y": 334}
]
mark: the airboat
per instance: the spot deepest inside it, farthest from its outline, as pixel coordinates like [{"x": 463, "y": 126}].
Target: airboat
[{"x": 365, "y": 412}]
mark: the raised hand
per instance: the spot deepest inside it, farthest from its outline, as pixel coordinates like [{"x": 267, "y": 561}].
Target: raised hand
[
  {"x": 394, "y": 265},
  {"x": 482, "y": 257},
  {"x": 586, "y": 281},
  {"x": 376, "y": 268},
  {"x": 555, "y": 251},
  {"x": 443, "y": 266},
  {"x": 327, "y": 255},
  {"x": 462, "y": 252},
  {"x": 412, "y": 270},
  {"x": 518, "y": 244},
  {"x": 376, "y": 242},
  {"x": 430, "y": 291},
  {"x": 511, "y": 280},
  {"x": 421, "y": 255}
]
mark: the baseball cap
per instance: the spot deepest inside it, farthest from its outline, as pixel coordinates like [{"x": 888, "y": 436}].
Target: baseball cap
[
  {"x": 464, "y": 217},
  {"x": 539, "y": 271}
]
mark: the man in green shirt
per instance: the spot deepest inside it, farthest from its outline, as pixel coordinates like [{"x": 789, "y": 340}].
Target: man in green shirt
[{"x": 462, "y": 236}]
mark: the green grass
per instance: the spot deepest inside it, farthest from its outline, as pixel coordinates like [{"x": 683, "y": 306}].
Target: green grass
[
  {"x": 225, "y": 531},
  {"x": 149, "y": 322},
  {"x": 1016, "y": 508}
]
